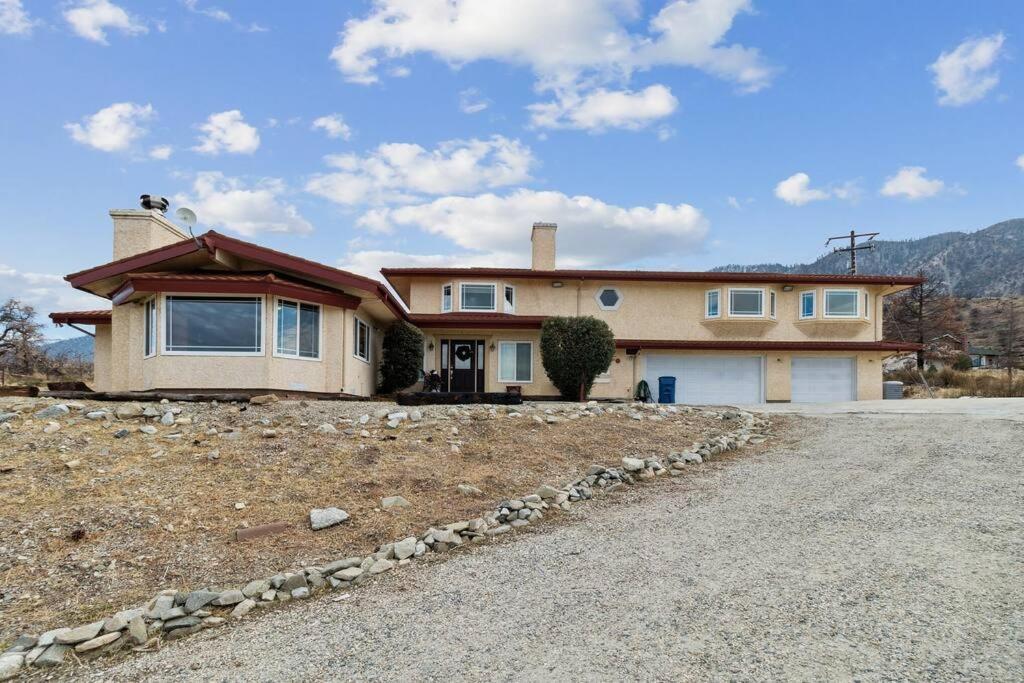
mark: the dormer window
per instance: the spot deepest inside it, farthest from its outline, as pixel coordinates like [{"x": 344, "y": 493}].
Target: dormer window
[
  {"x": 477, "y": 297},
  {"x": 746, "y": 303}
]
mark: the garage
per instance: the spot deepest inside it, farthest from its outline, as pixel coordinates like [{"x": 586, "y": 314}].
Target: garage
[
  {"x": 824, "y": 380},
  {"x": 708, "y": 380}
]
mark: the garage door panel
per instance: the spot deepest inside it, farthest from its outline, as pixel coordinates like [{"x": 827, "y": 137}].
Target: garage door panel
[
  {"x": 823, "y": 380},
  {"x": 708, "y": 379}
]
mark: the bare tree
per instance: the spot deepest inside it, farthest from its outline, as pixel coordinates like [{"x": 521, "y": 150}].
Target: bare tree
[
  {"x": 1011, "y": 344},
  {"x": 20, "y": 336},
  {"x": 922, "y": 313}
]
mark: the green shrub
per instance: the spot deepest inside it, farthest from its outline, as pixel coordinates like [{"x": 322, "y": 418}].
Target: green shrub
[
  {"x": 574, "y": 351},
  {"x": 402, "y": 357},
  {"x": 963, "y": 362}
]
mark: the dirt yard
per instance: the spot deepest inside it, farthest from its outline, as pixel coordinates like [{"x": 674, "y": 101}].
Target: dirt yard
[{"x": 96, "y": 515}]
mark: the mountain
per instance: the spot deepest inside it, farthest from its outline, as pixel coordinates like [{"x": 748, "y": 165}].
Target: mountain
[
  {"x": 76, "y": 347},
  {"x": 985, "y": 263}
]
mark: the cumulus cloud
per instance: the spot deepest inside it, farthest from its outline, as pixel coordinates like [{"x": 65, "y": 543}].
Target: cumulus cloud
[
  {"x": 404, "y": 171},
  {"x": 911, "y": 183},
  {"x": 215, "y": 13},
  {"x": 14, "y": 20},
  {"x": 368, "y": 262},
  {"x": 797, "y": 190},
  {"x": 591, "y": 233},
  {"x": 248, "y": 209},
  {"x": 227, "y": 131},
  {"x": 113, "y": 128},
  {"x": 334, "y": 126},
  {"x": 45, "y": 292},
  {"x": 1020, "y": 162},
  {"x": 966, "y": 73},
  {"x": 601, "y": 109},
  {"x": 91, "y": 19},
  {"x": 161, "y": 152},
  {"x": 472, "y": 101}
]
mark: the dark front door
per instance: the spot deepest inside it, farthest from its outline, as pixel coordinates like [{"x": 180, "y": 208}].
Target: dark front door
[{"x": 465, "y": 364}]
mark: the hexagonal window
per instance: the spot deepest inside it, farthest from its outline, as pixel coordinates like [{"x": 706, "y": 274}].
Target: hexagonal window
[{"x": 609, "y": 298}]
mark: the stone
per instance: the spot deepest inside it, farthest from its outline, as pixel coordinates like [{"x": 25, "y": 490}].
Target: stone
[
  {"x": 632, "y": 464},
  {"x": 405, "y": 548},
  {"x": 148, "y": 429},
  {"x": 214, "y": 621},
  {"x": 498, "y": 530},
  {"x": 254, "y": 588},
  {"x": 159, "y": 605},
  {"x": 293, "y": 581},
  {"x": 97, "y": 415},
  {"x": 128, "y": 411},
  {"x": 97, "y": 642},
  {"x": 446, "y": 536},
  {"x": 80, "y": 634},
  {"x": 174, "y": 613},
  {"x": 53, "y": 656},
  {"x": 394, "y": 502},
  {"x": 338, "y": 565},
  {"x": 120, "y": 621},
  {"x": 363, "y": 419},
  {"x": 182, "y": 632},
  {"x": 300, "y": 593},
  {"x": 349, "y": 574},
  {"x": 393, "y": 424},
  {"x": 58, "y": 410},
  {"x": 547, "y": 492},
  {"x": 381, "y": 566},
  {"x": 4, "y": 417},
  {"x": 263, "y": 399},
  {"x": 22, "y": 643},
  {"x": 469, "y": 490},
  {"x": 167, "y": 419},
  {"x": 10, "y": 665},
  {"x": 51, "y": 428},
  {"x": 137, "y": 630},
  {"x": 269, "y": 433},
  {"x": 227, "y": 598},
  {"x": 198, "y": 599},
  {"x": 415, "y": 415},
  {"x": 327, "y": 429},
  {"x": 323, "y": 518},
  {"x": 243, "y": 608},
  {"x": 400, "y": 416},
  {"x": 268, "y": 596},
  {"x": 182, "y": 622}
]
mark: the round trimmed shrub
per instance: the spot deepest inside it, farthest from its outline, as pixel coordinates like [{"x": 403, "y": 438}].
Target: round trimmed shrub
[{"x": 574, "y": 351}]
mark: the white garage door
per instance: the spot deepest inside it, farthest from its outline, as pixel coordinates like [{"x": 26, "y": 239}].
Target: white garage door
[
  {"x": 824, "y": 380},
  {"x": 708, "y": 380}
]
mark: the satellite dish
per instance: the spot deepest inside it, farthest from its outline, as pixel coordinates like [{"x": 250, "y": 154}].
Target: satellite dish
[{"x": 186, "y": 216}]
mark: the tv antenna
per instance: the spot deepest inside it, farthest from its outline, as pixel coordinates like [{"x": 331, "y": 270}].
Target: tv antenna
[
  {"x": 188, "y": 217},
  {"x": 853, "y": 248}
]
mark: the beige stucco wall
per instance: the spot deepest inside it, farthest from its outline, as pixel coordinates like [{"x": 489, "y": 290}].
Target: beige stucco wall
[
  {"x": 101, "y": 359},
  {"x": 139, "y": 230}
]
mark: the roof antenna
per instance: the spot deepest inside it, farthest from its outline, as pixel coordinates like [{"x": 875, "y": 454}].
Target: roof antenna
[
  {"x": 188, "y": 217},
  {"x": 853, "y": 248}
]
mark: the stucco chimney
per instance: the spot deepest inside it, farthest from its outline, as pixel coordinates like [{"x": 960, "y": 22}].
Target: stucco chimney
[
  {"x": 139, "y": 230},
  {"x": 543, "y": 239}
]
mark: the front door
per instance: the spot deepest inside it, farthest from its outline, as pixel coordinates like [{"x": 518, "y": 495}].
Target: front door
[{"x": 465, "y": 364}]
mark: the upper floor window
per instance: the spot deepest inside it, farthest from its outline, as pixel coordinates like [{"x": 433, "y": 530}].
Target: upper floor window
[
  {"x": 609, "y": 298},
  {"x": 213, "y": 325},
  {"x": 362, "y": 340},
  {"x": 841, "y": 303},
  {"x": 712, "y": 303},
  {"x": 150, "y": 343},
  {"x": 298, "y": 330},
  {"x": 477, "y": 297},
  {"x": 806, "y": 305},
  {"x": 446, "y": 298},
  {"x": 510, "y": 299},
  {"x": 867, "y": 307},
  {"x": 746, "y": 303},
  {"x": 771, "y": 303}
]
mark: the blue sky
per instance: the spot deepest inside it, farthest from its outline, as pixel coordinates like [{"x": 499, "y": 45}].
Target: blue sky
[{"x": 672, "y": 134}]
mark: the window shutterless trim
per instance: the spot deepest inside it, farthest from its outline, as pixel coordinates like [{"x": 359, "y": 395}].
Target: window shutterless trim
[
  {"x": 814, "y": 304},
  {"x": 772, "y": 304},
  {"x": 451, "y": 297},
  {"x": 761, "y": 290},
  {"x": 151, "y": 327},
  {"x": 845, "y": 316},
  {"x": 166, "y": 321},
  {"x": 508, "y": 306},
  {"x": 494, "y": 296},
  {"x": 355, "y": 338},
  {"x": 298, "y": 330},
  {"x": 718, "y": 303},
  {"x": 506, "y": 380}
]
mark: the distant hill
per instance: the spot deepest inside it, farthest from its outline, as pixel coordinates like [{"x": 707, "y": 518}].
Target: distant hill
[
  {"x": 986, "y": 263},
  {"x": 76, "y": 347}
]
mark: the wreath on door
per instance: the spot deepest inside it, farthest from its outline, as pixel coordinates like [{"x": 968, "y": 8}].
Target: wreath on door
[{"x": 463, "y": 353}]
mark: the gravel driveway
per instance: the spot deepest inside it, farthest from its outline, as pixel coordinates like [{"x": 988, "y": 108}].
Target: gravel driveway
[{"x": 864, "y": 547}]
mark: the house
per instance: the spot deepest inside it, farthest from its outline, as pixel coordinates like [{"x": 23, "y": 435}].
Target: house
[
  {"x": 943, "y": 351},
  {"x": 694, "y": 337},
  {"x": 217, "y": 312}
]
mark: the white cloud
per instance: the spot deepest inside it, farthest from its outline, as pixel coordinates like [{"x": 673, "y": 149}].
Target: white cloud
[
  {"x": 215, "y": 13},
  {"x": 369, "y": 262},
  {"x": 113, "y": 128},
  {"x": 911, "y": 183},
  {"x": 601, "y": 109},
  {"x": 227, "y": 131},
  {"x": 402, "y": 171},
  {"x": 472, "y": 101},
  {"x": 966, "y": 74},
  {"x": 334, "y": 126},
  {"x": 161, "y": 152},
  {"x": 91, "y": 19},
  {"x": 797, "y": 190},
  {"x": 1020, "y": 162},
  {"x": 223, "y": 202},
  {"x": 45, "y": 292},
  {"x": 495, "y": 229},
  {"x": 14, "y": 20}
]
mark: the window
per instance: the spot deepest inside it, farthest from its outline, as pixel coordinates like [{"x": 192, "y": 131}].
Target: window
[
  {"x": 362, "y": 340},
  {"x": 867, "y": 308},
  {"x": 746, "y": 303},
  {"x": 446, "y": 298},
  {"x": 298, "y": 330},
  {"x": 711, "y": 303},
  {"x": 515, "y": 362},
  {"x": 806, "y": 305},
  {"x": 477, "y": 297},
  {"x": 150, "y": 345},
  {"x": 510, "y": 299},
  {"x": 609, "y": 298},
  {"x": 771, "y": 303},
  {"x": 841, "y": 303},
  {"x": 214, "y": 325}
]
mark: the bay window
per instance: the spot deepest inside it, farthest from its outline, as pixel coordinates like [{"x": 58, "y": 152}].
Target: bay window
[
  {"x": 212, "y": 325},
  {"x": 298, "y": 330},
  {"x": 515, "y": 361}
]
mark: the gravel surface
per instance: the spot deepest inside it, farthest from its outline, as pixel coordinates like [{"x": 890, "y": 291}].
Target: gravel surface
[{"x": 868, "y": 548}]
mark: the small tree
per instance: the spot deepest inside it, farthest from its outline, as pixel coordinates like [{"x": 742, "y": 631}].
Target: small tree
[
  {"x": 963, "y": 362},
  {"x": 402, "y": 357},
  {"x": 20, "y": 337},
  {"x": 922, "y": 313},
  {"x": 574, "y": 351}
]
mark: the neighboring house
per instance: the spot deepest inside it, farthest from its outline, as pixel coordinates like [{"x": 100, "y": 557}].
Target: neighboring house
[
  {"x": 721, "y": 338},
  {"x": 216, "y": 312},
  {"x": 982, "y": 357},
  {"x": 944, "y": 350}
]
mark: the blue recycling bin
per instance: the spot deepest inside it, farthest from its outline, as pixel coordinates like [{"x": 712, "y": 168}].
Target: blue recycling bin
[{"x": 666, "y": 390}]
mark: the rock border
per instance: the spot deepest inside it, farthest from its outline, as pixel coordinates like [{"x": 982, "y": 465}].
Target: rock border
[{"x": 174, "y": 614}]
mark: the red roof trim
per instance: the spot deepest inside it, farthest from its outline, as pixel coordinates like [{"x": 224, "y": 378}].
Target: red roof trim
[
  {"x": 476, "y": 321},
  {"x": 199, "y": 283},
  {"x": 756, "y": 345},
  {"x": 127, "y": 265},
  {"x": 81, "y": 318}
]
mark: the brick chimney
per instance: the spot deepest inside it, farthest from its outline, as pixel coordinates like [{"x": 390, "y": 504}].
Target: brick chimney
[
  {"x": 139, "y": 230},
  {"x": 543, "y": 239}
]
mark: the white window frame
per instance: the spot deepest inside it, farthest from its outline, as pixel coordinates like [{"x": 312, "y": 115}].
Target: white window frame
[
  {"x": 707, "y": 303},
  {"x": 824, "y": 304},
  {"x": 600, "y": 304},
  {"x": 298, "y": 341},
  {"x": 867, "y": 306},
  {"x": 509, "y": 307},
  {"x": 165, "y": 321},
  {"x": 814, "y": 304},
  {"x": 451, "y": 297},
  {"x": 773, "y": 304},
  {"x": 505, "y": 380},
  {"x": 355, "y": 339},
  {"x": 747, "y": 289},
  {"x": 151, "y": 328},
  {"x": 494, "y": 289}
]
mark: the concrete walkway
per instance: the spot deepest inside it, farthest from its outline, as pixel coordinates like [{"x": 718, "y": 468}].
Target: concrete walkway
[{"x": 999, "y": 408}]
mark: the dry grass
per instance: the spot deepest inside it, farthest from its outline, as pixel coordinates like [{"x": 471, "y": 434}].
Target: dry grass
[
  {"x": 142, "y": 513},
  {"x": 950, "y": 383}
]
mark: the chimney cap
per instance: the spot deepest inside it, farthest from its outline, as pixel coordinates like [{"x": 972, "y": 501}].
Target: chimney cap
[
  {"x": 543, "y": 224},
  {"x": 154, "y": 202}
]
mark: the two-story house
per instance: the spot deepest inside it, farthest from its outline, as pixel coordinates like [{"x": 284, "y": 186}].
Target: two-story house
[{"x": 694, "y": 337}]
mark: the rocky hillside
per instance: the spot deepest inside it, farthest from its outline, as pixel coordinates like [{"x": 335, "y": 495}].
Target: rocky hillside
[{"x": 985, "y": 263}]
